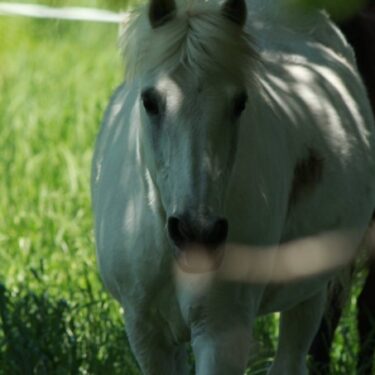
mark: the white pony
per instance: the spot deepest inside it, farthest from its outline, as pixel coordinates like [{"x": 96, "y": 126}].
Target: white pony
[{"x": 238, "y": 124}]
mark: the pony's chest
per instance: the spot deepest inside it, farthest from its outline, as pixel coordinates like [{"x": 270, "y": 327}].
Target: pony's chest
[
  {"x": 283, "y": 296},
  {"x": 159, "y": 304}
]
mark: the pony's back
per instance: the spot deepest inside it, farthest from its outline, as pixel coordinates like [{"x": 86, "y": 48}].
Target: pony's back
[{"x": 282, "y": 23}]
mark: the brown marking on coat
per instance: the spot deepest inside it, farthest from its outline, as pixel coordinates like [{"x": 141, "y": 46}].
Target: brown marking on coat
[{"x": 307, "y": 175}]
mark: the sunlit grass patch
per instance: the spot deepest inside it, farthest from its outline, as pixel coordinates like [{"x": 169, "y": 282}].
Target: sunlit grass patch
[
  {"x": 55, "y": 80},
  {"x": 53, "y": 94}
]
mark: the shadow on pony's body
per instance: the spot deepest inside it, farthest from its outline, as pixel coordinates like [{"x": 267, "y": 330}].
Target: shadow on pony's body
[
  {"x": 360, "y": 32},
  {"x": 233, "y": 174}
]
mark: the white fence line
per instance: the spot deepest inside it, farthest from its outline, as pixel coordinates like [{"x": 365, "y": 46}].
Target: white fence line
[{"x": 65, "y": 13}]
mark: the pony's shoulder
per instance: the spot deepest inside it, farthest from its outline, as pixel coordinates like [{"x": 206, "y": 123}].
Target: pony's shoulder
[
  {"x": 112, "y": 125},
  {"x": 113, "y": 109}
]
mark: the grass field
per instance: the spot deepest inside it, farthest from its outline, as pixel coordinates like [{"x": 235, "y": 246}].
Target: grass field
[{"x": 55, "y": 317}]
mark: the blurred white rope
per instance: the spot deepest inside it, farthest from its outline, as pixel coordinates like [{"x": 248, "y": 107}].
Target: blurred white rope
[{"x": 65, "y": 13}]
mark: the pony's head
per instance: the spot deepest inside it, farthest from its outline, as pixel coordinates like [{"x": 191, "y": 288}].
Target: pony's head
[{"x": 192, "y": 67}]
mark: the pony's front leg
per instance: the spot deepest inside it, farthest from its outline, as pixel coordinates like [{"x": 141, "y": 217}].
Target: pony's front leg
[
  {"x": 154, "y": 349},
  {"x": 223, "y": 352},
  {"x": 221, "y": 319},
  {"x": 298, "y": 327}
]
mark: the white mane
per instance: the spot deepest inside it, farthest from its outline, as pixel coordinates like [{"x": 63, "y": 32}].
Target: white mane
[{"x": 199, "y": 38}]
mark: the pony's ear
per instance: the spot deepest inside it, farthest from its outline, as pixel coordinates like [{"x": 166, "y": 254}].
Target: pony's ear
[
  {"x": 235, "y": 10},
  {"x": 161, "y": 11}
]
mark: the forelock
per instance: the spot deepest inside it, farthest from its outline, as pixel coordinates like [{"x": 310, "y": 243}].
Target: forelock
[{"x": 199, "y": 38}]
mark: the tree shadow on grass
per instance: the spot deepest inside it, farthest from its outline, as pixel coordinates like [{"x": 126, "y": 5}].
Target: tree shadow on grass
[{"x": 44, "y": 335}]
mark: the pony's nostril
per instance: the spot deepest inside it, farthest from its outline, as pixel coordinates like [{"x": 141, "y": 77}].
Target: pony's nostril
[
  {"x": 182, "y": 232},
  {"x": 218, "y": 233},
  {"x": 178, "y": 231}
]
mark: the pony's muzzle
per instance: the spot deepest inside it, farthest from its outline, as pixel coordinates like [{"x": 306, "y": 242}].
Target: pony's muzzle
[{"x": 198, "y": 247}]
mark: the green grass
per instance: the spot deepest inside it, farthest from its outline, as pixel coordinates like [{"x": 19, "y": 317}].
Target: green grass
[
  {"x": 55, "y": 79},
  {"x": 55, "y": 317}
]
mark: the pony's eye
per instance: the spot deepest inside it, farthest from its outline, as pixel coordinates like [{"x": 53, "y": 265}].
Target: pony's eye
[
  {"x": 239, "y": 104},
  {"x": 151, "y": 102}
]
